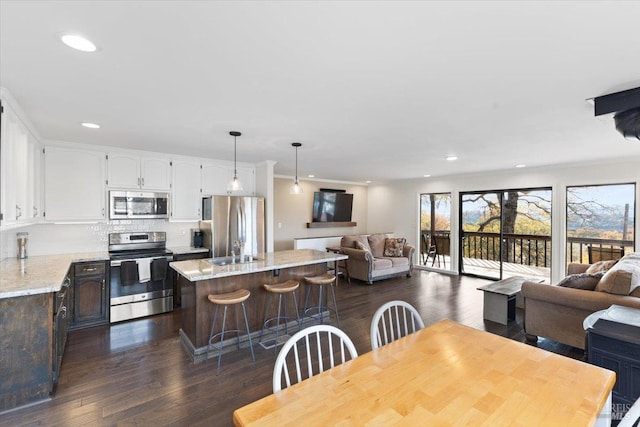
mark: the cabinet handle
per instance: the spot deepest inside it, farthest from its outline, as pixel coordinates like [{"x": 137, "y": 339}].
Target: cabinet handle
[
  {"x": 18, "y": 212},
  {"x": 138, "y": 181},
  {"x": 89, "y": 269},
  {"x": 64, "y": 311},
  {"x": 35, "y": 212},
  {"x": 143, "y": 181},
  {"x": 102, "y": 285}
]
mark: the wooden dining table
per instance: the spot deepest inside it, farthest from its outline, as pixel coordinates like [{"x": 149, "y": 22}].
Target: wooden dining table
[{"x": 445, "y": 374}]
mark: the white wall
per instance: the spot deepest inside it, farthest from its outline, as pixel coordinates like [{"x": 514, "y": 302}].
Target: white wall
[
  {"x": 395, "y": 205},
  {"x": 294, "y": 211}
]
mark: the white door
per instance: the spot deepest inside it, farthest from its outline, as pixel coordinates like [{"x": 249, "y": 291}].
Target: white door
[
  {"x": 74, "y": 184},
  {"x": 186, "y": 195},
  {"x": 155, "y": 174},
  {"x": 123, "y": 171},
  {"x": 246, "y": 177},
  {"x": 14, "y": 168},
  {"x": 215, "y": 179}
]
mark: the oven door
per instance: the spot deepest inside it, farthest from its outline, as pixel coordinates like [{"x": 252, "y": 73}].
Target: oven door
[{"x": 139, "y": 299}]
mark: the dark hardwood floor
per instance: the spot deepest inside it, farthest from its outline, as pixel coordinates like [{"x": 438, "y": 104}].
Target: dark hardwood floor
[{"x": 136, "y": 373}]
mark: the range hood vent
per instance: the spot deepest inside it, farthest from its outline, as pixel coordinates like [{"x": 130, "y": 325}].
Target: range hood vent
[{"x": 625, "y": 106}]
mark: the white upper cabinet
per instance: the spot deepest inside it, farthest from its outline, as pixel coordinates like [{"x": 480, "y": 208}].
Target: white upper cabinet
[
  {"x": 21, "y": 179},
  {"x": 74, "y": 184},
  {"x": 131, "y": 171},
  {"x": 186, "y": 196},
  {"x": 216, "y": 177},
  {"x": 247, "y": 179},
  {"x": 35, "y": 192}
]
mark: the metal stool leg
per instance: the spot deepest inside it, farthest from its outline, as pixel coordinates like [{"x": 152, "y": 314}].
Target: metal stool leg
[
  {"x": 335, "y": 304},
  {"x": 213, "y": 324},
  {"x": 246, "y": 323},
  {"x": 235, "y": 312},
  {"x": 266, "y": 313},
  {"x": 224, "y": 322},
  {"x": 321, "y": 305},
  {"x": 295, "y": 303}
]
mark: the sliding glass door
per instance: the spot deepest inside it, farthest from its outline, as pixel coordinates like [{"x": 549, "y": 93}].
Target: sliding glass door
[
  {"x": 435, "y": 228},
  {"x": 506, "y": 233}
]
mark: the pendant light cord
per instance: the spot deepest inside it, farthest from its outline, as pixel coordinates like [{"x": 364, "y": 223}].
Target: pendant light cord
[{"x": 235, "y": 152}]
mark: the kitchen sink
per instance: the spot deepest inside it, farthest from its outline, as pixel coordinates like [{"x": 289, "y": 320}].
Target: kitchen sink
[{"x": 225, "y": 260}]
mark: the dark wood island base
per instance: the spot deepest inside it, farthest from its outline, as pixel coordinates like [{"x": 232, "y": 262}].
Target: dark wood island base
[{"x": 197, "y": 311}]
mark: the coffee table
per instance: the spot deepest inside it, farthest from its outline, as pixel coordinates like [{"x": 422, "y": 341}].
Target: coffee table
[{"x": 500, "y": 298}]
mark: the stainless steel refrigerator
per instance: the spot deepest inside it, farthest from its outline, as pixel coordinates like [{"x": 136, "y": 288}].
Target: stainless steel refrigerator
[{"x": 233, "y": 225}]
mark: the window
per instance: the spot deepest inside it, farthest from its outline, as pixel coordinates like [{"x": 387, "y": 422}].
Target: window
[{"x": 600, "y": 222}]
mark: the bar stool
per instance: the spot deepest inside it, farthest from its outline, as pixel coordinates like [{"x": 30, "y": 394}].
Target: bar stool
[
  {"x": 231, "y": 298},
  {"x": 321, "y": 281},
  {"x": 282, "y": 289}
]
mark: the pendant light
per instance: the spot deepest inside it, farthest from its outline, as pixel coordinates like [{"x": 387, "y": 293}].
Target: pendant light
[
  {"x": 234, "y": 184},
  {"x": 296, "y": 188}
]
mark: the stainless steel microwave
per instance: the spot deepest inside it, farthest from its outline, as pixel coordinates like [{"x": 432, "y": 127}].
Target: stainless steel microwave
[{"x": 138, "y": 205}]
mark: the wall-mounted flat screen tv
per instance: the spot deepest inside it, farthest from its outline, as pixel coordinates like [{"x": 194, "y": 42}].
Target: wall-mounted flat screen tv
[{"x": 332, "y": 207}]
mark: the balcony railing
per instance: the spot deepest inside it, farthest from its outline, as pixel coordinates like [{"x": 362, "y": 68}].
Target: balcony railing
[
  {"x": 532, "y": 250},
  {"x": 524, "y": 249},
  {"x": 578, "y": 247}
]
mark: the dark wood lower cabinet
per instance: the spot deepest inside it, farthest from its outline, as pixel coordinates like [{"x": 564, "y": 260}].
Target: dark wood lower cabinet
[
  {"x": 90, "y": 294},
  {"x": 616, "y": 346},
  {"x": 26, "y": 341}
]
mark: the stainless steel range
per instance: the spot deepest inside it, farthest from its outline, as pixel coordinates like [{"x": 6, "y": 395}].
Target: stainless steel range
[{"x": 140, "y": 284}]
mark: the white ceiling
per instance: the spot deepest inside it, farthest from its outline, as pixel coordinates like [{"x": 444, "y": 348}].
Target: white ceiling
[{"x": 373, "y": 90}]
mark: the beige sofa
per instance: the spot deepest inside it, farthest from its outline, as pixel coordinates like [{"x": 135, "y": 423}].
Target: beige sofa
[
  {"x": 557, "y": 312},
  {"x": 367, "y": 260}
]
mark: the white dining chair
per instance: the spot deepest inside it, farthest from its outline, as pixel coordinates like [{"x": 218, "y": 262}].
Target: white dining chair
[
  {"x": 632, "y": 416},
  {"x": 394, "y": 320},
  {"x": 308, "y": 350}
]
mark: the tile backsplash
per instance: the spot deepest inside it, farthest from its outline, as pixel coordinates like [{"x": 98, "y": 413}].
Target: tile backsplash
[{"x": 47, "y": 239}]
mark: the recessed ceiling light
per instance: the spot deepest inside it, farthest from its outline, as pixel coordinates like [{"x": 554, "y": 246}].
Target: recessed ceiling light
[
  {"x": 368, "y": 182},
  {"x": 521, "y": 166},
  {"x": 311, "y": 176},
  {"x": 91, "y": 125},
  {"x": 426, "y": 175},
  {"x": 452, "y": 158},
  {"x": 78, "y": 42}
]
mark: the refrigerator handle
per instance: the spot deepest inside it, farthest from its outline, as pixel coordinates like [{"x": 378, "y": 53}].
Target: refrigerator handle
[{"x": 243, "y": 226}]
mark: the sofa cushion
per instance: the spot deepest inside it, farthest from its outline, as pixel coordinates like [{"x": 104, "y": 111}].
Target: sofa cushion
[
  {"x": 601, "y": 266},
  {"x": 398, "y": 261},
  {"x": 382, "y": 263},
  {"x": 376, "y": 241},
  {"x": 394, "y": 247},
  {"x": 623, "y": 278},
  {"x": 583, "y": 281}
]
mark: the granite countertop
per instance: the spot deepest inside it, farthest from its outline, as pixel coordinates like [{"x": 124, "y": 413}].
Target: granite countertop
[
  {"x": 39, "y": 274},
  {"x": 203, "y": 269},
  {"x": 181, "y": 250}
]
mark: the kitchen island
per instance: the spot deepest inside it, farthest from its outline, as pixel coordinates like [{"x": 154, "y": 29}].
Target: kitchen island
[{"x": 201, "y": 277}]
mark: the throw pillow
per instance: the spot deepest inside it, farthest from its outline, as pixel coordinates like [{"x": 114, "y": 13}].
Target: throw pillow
[
  {"x": 376, "y": 241},
  {"x": 622, "y": 279},
  {"x": 583, "y": 281},
  {"x": 362, "y": 247},
  {"x": 394, "y": 247},
  {"x": 601, "y": 266},
  {"x": 361, "y": 242}
]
